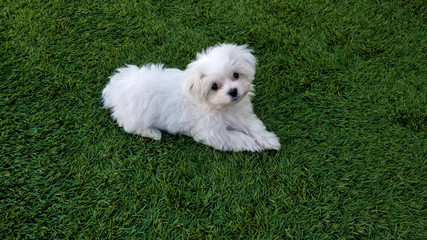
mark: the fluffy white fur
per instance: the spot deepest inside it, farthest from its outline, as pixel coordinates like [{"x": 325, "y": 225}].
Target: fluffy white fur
[{"x": 210, "y": 100}]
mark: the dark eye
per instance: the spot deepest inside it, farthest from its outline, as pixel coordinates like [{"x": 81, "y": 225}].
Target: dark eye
[
  {"x": 214, "y": 86},
  {"x": 235, "y": 75}
]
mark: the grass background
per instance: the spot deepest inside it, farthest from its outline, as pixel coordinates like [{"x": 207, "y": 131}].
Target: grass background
[{"x": 342, "y": 83}]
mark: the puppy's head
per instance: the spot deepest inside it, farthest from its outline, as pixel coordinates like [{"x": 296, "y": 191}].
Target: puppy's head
[{"x": 221, "y": 75}]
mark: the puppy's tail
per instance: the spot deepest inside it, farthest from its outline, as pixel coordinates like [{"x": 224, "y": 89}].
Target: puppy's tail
[{"x": 122, "y": 82}]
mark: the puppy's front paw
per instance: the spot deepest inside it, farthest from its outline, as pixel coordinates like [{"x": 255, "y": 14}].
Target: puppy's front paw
[
  {"x": 268, "y": 140},
  {"x": 155, "y": 134}
]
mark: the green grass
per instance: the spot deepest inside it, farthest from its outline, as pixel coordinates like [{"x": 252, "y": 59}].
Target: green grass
[{"x": 342, "y": 83}]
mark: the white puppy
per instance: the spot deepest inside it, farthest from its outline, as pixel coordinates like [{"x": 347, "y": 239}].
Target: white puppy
[{"x": 209, "y": 101}]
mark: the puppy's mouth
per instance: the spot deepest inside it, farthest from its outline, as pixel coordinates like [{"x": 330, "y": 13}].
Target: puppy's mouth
[
  {"x": 235, "y": 99},
  {"x": 238, "y": 97}
]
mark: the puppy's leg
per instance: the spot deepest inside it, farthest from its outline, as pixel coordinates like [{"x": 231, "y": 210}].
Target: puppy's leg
[
  {"x": 153, "y": 133},
  {"x": 230, "y": 140},
  {"x": 257, "y": 130}
]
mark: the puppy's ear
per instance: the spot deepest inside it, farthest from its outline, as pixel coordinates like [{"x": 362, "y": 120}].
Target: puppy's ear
[
  {"x": 245, "y": 54},
  {"x": 193, "y": 81}
]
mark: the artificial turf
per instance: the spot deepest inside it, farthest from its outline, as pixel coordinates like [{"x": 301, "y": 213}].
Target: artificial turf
[{"x": 342, "y": 83}]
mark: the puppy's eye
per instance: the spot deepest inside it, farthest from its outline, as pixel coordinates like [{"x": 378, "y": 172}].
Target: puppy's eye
[
  {"x": 235, "y": 75},
  {"x": 214, "y": 87}
]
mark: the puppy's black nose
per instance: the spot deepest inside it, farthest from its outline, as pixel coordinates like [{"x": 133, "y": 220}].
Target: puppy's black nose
[{"x": 233, "y": 92}]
